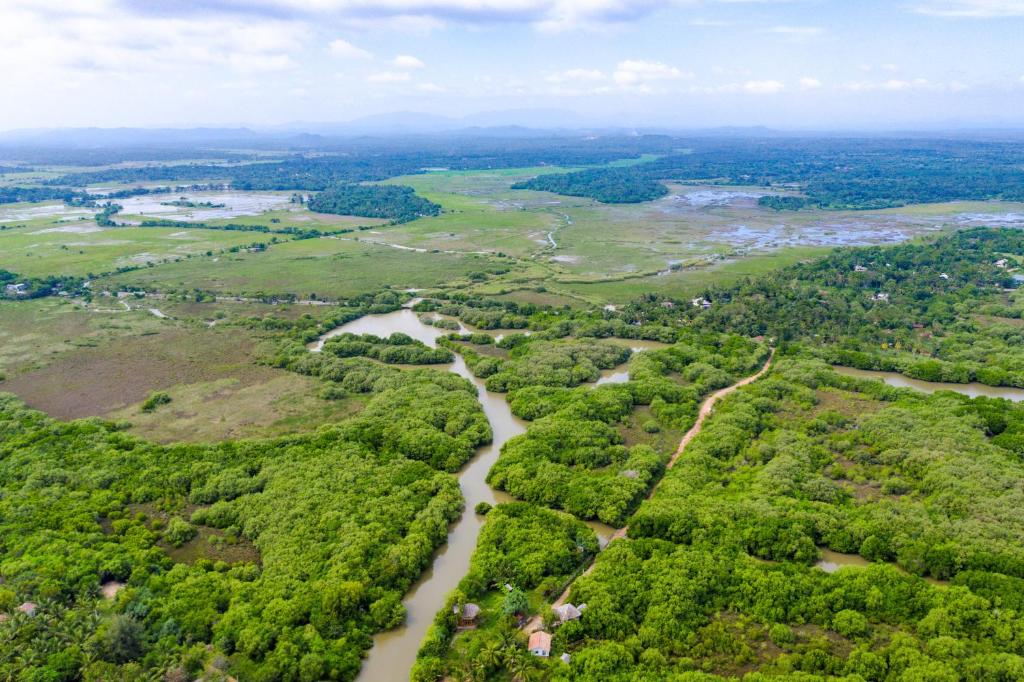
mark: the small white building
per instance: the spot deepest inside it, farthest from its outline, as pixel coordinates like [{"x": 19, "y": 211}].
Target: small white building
[
  {"x": 859, "y": 268},
  {"x": 19, "y": 289},
  {"x": 881, "y": 296},
  {"x": 701, "y": 302},
  {"x": 944, "y": 276},
  {"x": 1002, "y": 263}
]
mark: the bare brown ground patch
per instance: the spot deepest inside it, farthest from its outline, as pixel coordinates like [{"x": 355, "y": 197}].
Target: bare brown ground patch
[
  {"x": 850, "y": 405},
  {"x": 94, "y": 381},
  {"x": 632, "y": 431}
]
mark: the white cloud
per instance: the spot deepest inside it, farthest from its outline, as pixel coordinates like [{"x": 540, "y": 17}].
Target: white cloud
[
  {"x": 767, "y": 87},
  {"x": 346, "y": 50},
  {"x": 545, "y": 14},
  {"x": 641, "y": 73},
  {"x": 407, "y": 61},
  {"x": 809, "y": 83},
  {"x": 430, "y": 87},
  {"x": 575, "y": 76},
  {"x": 797, "y": 31},
  {"x": 389, "y": 77},
  {"x": 901, "y": 85},
  {"x": 977, "y": 9}
]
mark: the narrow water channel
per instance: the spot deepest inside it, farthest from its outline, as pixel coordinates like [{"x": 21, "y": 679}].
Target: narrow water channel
[
  {"x": 394, "y": 651},
  {"x": 972, "y": 390}
]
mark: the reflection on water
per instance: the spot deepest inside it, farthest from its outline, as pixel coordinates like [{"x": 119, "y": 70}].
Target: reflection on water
[
  {"x": 898, "y": 380},
  {"x": 234, "y": 204},
  {"x": 613, "y": 376},
  {"x": 831, "y": 562}
]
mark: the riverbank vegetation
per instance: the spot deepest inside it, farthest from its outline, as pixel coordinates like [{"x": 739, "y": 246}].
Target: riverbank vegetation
[
  {"x": 525, "y": 555},
  {"x": 716, "y": 575},
  {"x": 339, "y": 524}
]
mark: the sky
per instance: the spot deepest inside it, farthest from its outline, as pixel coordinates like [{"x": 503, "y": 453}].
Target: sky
[{"x": 790, "y": 64}]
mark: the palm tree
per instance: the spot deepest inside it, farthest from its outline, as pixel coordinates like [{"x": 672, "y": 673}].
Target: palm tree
[
  {"x": 491, "y": 655},
  {"x": 523, "y": 667}
]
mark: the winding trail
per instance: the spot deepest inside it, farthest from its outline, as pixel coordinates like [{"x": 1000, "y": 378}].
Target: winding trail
[{"x": 705, "y": 411}]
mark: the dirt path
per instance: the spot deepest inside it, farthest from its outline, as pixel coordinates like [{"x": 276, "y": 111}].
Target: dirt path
[{"x": 702, "y": 415}]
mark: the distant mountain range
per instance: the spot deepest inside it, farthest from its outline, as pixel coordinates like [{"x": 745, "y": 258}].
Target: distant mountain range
[{"x": 508, "y": 124}]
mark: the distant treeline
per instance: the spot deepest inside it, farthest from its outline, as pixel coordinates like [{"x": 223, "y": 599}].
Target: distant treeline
[
  {"x": 394, "y": 202},
  {"x": 832, "y": 173},
  {"x": 607, "y": 185},
  {"x": 13, "y": 195},
  {"x": 384, "y": 160}
]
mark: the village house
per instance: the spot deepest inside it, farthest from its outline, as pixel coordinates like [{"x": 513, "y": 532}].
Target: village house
[
  {"x": 701, "y": 302},
  {"x": 540, "y": 644},
  {"x": 567, "y": 612},
  {"x": 881, "y": 296},
  {"x": 944, "y": 276},
  {"x": 859, "y": 268},
  {"x": 19, "y": 289},
  {"x": 1002, "y": 263},
  {"x": 468, "y": 616}
]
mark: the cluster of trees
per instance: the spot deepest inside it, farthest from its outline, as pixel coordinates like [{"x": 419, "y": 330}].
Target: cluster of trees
[
  {"x": 396, "y": 349},
  {"x": 607, "y": 185},
  {"x": 343, "y": 521},
  {"x": 421, "y": 414},
  {"x": 571, "y": 456},
  {"x": 296, "y": 232},
  {"x": 894, "y": 475},
  {"x": 395, "y": 202},
  {"x": 538, "y": 362},
  {"x": 37, "y": 287},
  {"x": 833, "y": 173},
  {"x": 801, "y": 459},
  {"x": 938, "y": 311},
  {"x": 662, "y": 611},
  {"x": 105, "y": 218}
]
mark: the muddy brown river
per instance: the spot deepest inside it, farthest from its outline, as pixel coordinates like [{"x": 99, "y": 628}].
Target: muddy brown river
[
  {"x": 898, "y": 380},
  {"x": 394, "y": 651}
]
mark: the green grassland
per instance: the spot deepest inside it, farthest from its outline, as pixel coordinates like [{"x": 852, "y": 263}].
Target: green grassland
[
  {"x": 580, "y": 240},
  {"x": 302, "y": 218},
  {"x": 686, "y": 282},
  {"x": 33, "y": 332},
  {"x": 47, "y": 247},
  {"x": 327, "y": 267}
]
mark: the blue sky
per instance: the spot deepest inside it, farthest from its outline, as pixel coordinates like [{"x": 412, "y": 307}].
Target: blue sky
[{"x": 681, "y": 63}]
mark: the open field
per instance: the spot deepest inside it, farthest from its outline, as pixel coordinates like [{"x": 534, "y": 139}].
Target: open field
[
  {"x": 34, "y": 332},
  {"x": 327, "y": 267},
  {"x": 73, "y": 361},
  {"x": 582, "y": 240},
  {"x": 82, "y": 247}
]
